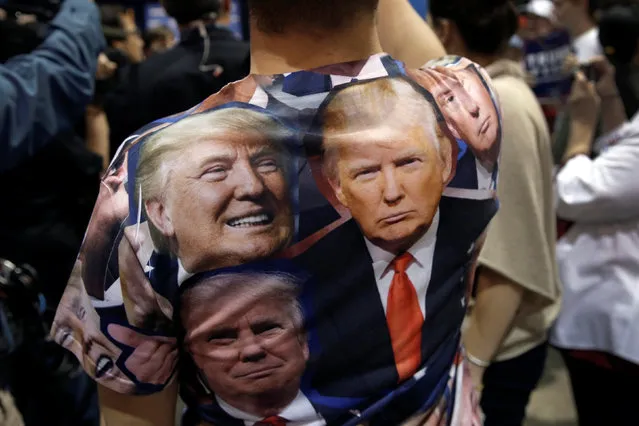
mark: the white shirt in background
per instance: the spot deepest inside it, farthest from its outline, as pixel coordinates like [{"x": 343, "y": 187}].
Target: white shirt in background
[
  {"x": 587, "y": 46},
  {"x": 599, "y": 256}
]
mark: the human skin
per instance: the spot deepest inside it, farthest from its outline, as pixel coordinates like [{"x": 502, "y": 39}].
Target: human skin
[{"x": 226, "y": 203}]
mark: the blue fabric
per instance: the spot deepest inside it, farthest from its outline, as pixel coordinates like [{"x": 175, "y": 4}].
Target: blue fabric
[{"x": 46, "y": 91}]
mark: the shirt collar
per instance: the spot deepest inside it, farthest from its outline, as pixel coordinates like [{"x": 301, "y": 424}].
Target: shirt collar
[
  {"x": 422, "y": 250},
  {"x": 300, "y": 410}
]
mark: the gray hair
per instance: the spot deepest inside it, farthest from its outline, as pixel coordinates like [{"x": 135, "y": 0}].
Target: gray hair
[
  {"x": 368, "y": 105},
  {"x": 159, "y": 153},
  {"x": 254, "y": 285}
]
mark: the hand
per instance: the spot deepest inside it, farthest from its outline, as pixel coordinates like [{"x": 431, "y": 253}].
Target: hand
[
  {"x": 140, "y": 301},
  {"x": 106, "y": 68},
  {"x": 154, "y": 358},
  {"x": 583, "y": 102},
  {"x": 606, "y": 86},
  {"x": 570, "y": 65},
  {"x": 476, "y": 375}
]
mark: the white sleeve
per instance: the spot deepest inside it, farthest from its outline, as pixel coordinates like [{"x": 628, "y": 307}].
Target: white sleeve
[{"x": 605, "y": 189}]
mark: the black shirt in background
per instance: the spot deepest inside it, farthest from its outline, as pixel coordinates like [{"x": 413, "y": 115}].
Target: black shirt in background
[{"x": 174, "y": 81}]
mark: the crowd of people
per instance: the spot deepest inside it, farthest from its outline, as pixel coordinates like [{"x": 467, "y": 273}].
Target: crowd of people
[{"x": 360, "y": 216}]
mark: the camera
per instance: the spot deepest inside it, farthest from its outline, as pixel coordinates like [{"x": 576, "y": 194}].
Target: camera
[{"x": 22, "y": 308}]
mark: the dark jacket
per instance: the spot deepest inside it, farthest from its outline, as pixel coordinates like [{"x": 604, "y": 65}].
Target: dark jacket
[
  {"x": 351, "y": 350},
  {"x": 44, "y": 92},
  {"x": 176, "y": 80}
]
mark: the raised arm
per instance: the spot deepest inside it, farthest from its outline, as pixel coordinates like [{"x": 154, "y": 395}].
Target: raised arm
[
  {"x": 46, "y": 91},
  {"x": 405, "y": 35},
  {"x": 605, "y": 189}
]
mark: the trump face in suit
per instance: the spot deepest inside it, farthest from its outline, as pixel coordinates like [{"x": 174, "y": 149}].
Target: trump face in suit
[
  {"x": 384, "y": 160},
  {"x": 245, "y": 334}
]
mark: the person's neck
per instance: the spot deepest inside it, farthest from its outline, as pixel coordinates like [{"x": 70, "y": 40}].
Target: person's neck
[
  {"x": 197, "y": 23},
  {"x": 483, "y": 59},
  {"x": 479, "y": 58},
  {"x": 301, "y": 50},
  {"x": 581, "y": 28}
]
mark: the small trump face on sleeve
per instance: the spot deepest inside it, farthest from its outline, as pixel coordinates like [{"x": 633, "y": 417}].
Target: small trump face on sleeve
[
  {"x": 466, "y": 100},
  {"x": 77, "y": 328},
  {"x": 385, "y": 161}
]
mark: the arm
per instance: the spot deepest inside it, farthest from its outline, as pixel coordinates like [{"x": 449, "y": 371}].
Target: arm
[
  {"x": 496, "y": 304},
  {"x": 97, "y": 133},
  {"x": 405, "y": 35},
  {"x": 605, "y": 189},
  {"x": 44, "y": 92},
  {"x": 613, "y": 112},
  {"x": 516, "y": 234},
  {"x": 602, "y": 190},
  {"x": 154, "y": 410}
]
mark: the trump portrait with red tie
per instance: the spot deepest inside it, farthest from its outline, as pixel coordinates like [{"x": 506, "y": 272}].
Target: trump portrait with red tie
[{"x": 385, "y": 278}]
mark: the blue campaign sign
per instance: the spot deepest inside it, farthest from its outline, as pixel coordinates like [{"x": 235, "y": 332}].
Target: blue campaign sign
[
  {"x": 544, "y": 59},
  {"x": 236, "y": 18},
  {"x": 421, "y": 6}
]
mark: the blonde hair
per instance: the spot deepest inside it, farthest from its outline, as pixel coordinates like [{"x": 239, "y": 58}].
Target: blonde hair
[
  {"x": 158, "y": 154},
  {"x": 365, "y": 106},
  {"x": 256, "y": 286}
]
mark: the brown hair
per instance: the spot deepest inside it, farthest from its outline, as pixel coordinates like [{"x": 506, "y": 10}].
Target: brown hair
[
  {"x": 368, "y": 105},
  {"x": 278, "y": 16},
  {"x": 159, "y": 154}
]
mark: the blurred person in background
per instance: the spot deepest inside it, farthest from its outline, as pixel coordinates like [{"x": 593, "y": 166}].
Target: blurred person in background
[
  {"x": 517, "y": 289},
  {"x": 599, "y": 254},
  {"x": 122, "y": 34},
  {"x": 540, "y": 18},
  {"x": 49, "y": 179},
  {"x": 158, "y": 40},
  {"x": 619, "y": 36},
  {"x": 207, "y": 58},
  {"x": 578, "y": 17}
]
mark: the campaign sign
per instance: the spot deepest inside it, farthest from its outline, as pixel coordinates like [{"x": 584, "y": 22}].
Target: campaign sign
[{"x": 544, "y": 59}]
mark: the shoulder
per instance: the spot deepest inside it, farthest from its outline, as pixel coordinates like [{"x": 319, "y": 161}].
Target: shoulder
[
  {"x": 519, "y": 106},
  {"x": 238, "y": 91}
]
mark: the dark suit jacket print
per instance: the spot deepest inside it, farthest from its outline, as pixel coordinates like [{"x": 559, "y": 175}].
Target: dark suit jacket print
[{"x": 351, "y": 351}]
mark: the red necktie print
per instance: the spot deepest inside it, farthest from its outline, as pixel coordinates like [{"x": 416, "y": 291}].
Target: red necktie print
[
  {"x": 405, "y": 319},
  {"x": 272, "y": 421}
]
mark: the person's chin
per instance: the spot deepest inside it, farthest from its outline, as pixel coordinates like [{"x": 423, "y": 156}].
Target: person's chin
[
  {"x": 400, "y": 236},
  {"x": 261, "y": 248}
]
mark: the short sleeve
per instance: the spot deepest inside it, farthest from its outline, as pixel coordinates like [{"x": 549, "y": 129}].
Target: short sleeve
[
  {"x": 110, "y": 315},
  {"x": 470, "y": 120},
  {"x": 517, "y": 244}
]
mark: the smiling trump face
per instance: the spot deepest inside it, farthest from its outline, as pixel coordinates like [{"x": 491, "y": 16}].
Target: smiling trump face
[
  {"x": 225, "y": 199},
  {"x": 387, "y": 165}
]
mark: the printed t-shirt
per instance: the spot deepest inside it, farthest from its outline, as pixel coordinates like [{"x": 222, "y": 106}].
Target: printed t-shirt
[{"x": 294, "y": 249}]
